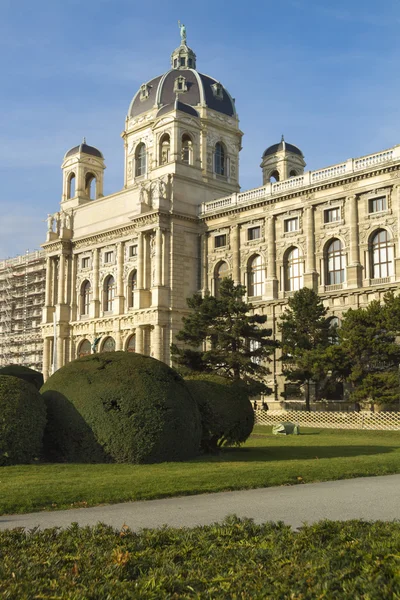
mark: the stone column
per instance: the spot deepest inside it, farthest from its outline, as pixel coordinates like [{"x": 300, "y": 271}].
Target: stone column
[
  {"x": 310, "y": 275},
  {"x": 118, "y": 340},
  {"x": 49, "y": 274},
  {"x": 140, "y": 261},
  {"x": 396, "y": 250},
  {"x": 46, "y": 358},
  {"x": 158, "y": 257},
  {"x": 271, "y": 287},
  {"x": 354, "y": 268},
  {"x": 120, "y": 279},
  {"x": 157, "y": 342},
  {"x": 73, "y": 297},
  {"x": 60, "y": 351},
  {"x": 139, "y": 339},
  {"x": 61, "y": 280},
  {"x": 204, "y": 262},
  {"x": 236, "y": 253},
  {"x": 166, "y": 243},
  {"x": 95, "y": 297}
]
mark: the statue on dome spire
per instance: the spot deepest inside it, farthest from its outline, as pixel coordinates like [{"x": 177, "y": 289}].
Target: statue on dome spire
[{"x": 182, "y": 30}]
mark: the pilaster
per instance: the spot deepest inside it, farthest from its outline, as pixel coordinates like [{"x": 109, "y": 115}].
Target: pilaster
[
  {"x": 354, "y": 275},
  {"x": 271, "y": 283}
]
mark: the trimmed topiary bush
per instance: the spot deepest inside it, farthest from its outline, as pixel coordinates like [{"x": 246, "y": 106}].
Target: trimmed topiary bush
[
  {"x": 226, "y": 412},
  {"x": 122, "y": 407},
  {"x": 22, "y": 421},
  {"x": 25, "y": 373}
]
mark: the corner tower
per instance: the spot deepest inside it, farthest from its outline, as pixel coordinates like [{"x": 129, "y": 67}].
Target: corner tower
[
  {"x": 281, "y": 161},
  {"x": 83, "y": 174}
]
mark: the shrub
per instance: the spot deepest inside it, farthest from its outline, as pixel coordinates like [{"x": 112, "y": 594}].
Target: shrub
[
  {"x": 226, "y": 413},
  {"x": 25, "y": 373},
  {"x": 122, "y": 407},
  {"x": 350, "y": 560},
  {"x": 22, "y": 421}
]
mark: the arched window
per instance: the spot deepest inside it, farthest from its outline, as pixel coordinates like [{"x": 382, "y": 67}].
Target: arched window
[
  {"x": 255, "y": 276},
  {"x": 90, "y": 186},
  {"x": 293, "y": 173},
  {"x": 132, "y": 285},
  {"x": 131, "y": 345},
  {"x": 335, "y": 263},
  {"x": 84, "y": 349},
  {"x": 108, "y": 345},
  {"x": 274, "y": 176},
  {"x": 381, "y": 255},
  {"x": 221, "y": 271},
  {"x": 219, "y": 159},
  {"x": 140, "y": 160},
  {"x": 85, "y": 298},
  {"x": 165, "y": 145},
  {"x": 71, "y": 186},
  {"x": 294, "y": 268},
  {"x": 109, "y": 293},
  {"x": 187, "y": 149}
]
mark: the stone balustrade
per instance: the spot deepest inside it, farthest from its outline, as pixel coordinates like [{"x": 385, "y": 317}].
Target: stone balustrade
[{"x": 352, "y": 165}]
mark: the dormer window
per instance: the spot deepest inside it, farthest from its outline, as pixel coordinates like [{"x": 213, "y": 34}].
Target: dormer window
[
  {"x": 182, "y": 61},
  {"x": 217, "y": 90},
  {"x": 144, "y": 91},
  {"x": 180, "y": 85}
]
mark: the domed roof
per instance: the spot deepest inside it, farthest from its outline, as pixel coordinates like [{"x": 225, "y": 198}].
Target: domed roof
[
  {"x": 85, "y": 148},
  {"x": 282, "y": 146},
  {"x": 200, "y": 90}
]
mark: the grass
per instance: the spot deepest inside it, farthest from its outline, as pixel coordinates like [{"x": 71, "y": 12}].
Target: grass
[
  {"x": 265, "y": 460},
  {"x": 236, "y": 559}
]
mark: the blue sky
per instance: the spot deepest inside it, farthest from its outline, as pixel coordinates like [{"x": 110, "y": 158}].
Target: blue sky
[{"x": 325, "y": 74}]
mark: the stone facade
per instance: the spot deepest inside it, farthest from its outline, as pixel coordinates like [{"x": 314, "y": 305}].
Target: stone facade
[{"x": 119, "y": 268}]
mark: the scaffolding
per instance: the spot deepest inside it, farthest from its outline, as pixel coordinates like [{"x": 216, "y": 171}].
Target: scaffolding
[{"x": 22, "y": 291}]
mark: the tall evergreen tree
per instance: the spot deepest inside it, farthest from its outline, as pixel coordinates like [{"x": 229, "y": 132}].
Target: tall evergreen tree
[
  {"x": 306, "y": 334},
  {"x": 226, "y": 337}
]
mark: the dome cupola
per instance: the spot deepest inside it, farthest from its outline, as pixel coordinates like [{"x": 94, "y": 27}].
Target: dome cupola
[
  {"x": 183, "y": 57},
  {"x": 282, "y": 161}
]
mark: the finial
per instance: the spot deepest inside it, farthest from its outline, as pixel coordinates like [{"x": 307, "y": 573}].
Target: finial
[
  {"x": 282, "y": 138},
  {"x": 84, "y": 141},
  {"x": 182, "y": 30}
]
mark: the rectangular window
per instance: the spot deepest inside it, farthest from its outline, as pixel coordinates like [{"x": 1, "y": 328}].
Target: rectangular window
[
  {"x": 220, "y": 241},
  {"x": 132, "y": 250},
  {"x": 332, "y": 215},
  {"x": 291, "y": 225},
  {"x": 85, "y": 262},
  {"x": 108, "y": 256},
  {"x": 253, "y": 233},
  {"x": 377, "y": 204}
]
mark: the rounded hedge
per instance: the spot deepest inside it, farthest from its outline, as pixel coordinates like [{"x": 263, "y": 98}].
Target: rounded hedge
[
  {"x": 25, "y": 373},
  {"x": 227, "y": 415},
  {"x": 22, "y": 421},
  {"x": 122, "y": 407}
]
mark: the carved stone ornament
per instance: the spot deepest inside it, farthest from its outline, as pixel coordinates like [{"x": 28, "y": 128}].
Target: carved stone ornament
[{"x": 350, "y": 186}]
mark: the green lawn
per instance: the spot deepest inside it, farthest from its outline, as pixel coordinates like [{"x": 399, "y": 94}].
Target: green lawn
[{"x": 265, "y": 460}]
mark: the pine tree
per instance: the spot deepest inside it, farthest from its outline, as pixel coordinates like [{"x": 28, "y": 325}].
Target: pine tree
[
  {"x": 306, "y": 334},
  {"x": 226, "y": 337}
]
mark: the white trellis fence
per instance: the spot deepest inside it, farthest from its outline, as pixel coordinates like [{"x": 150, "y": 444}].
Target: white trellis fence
[{"x": 331, "y": 420}]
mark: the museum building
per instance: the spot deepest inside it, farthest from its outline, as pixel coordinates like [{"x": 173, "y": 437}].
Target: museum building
[{"x": 120, "y": 267}]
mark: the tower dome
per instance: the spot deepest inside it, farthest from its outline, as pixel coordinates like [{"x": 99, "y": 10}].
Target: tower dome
[
  {"x": 194, "y": 89},
  {"x": 282, "y": 161},
  {"x": 85, "y": 149}
]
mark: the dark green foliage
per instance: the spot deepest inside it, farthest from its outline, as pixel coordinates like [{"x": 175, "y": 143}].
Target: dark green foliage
[
  {"x": 306, "y": 334},
  {"x": 368, "y": 354},
  {"x": 231, "y": 340},
  {"x": 121, "y": 407},
  {"x": 25, "y": 373},
  {"x": 227, "y": 416},
  {"x": 235, "y": 559},
  {"x": 22, "y": 421}
]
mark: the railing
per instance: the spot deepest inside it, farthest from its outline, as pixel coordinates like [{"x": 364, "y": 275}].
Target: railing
[
  {"x": 309, "y": 178},
  {"x": 332, "y": 420},
  {"x": 22, "y": 259},
  {"x": 334, "y": 287},
  {"x": 380, "y": 280}
]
